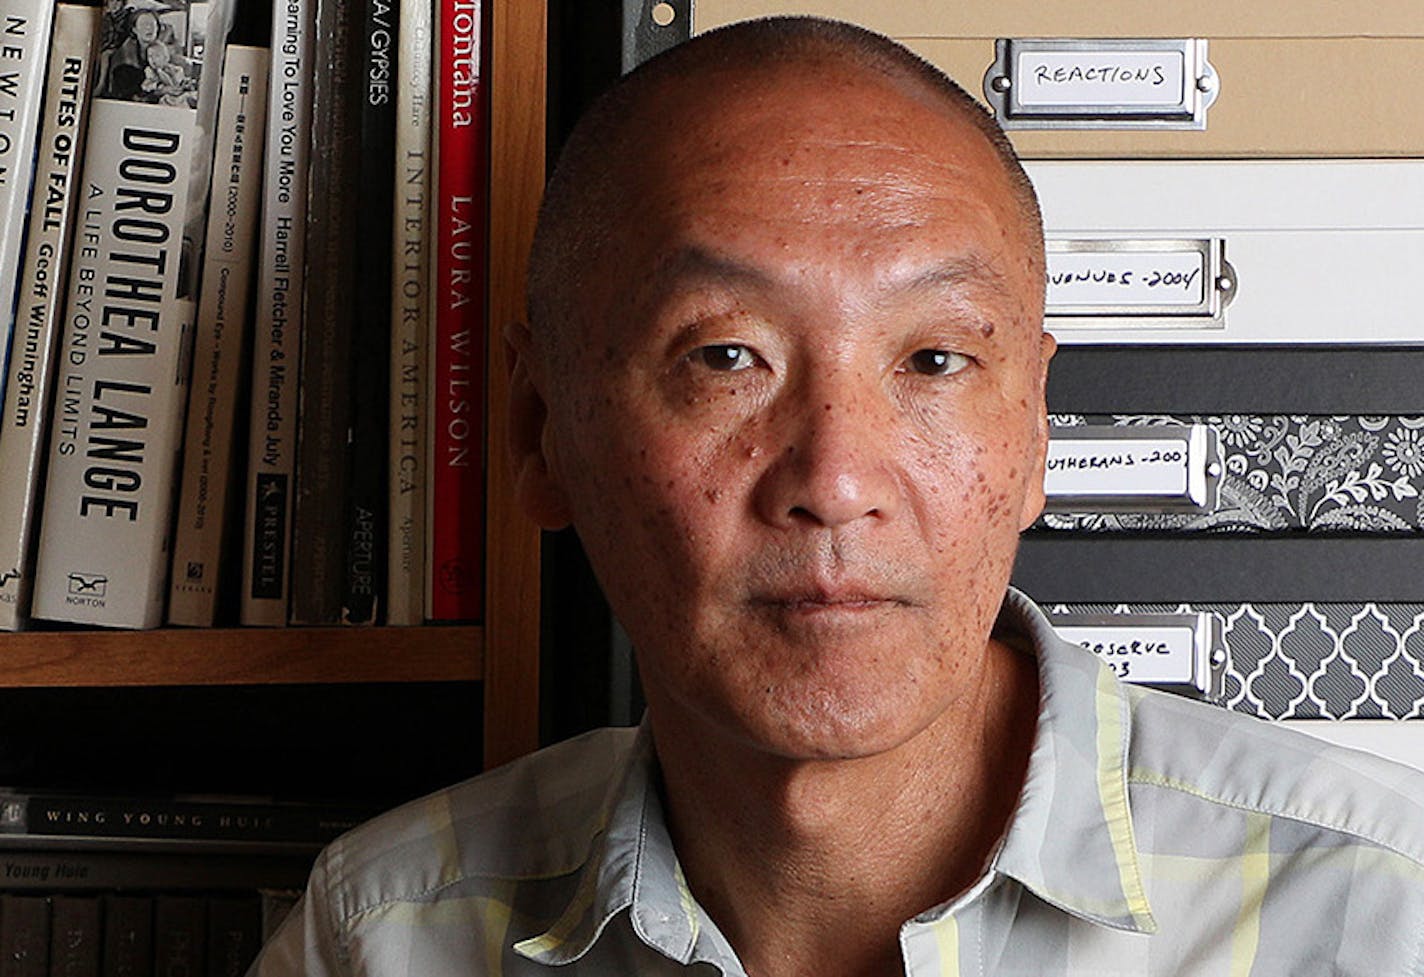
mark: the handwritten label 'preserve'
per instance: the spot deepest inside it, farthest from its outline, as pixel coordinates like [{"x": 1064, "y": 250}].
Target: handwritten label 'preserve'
[
  {"x": 1100, "y": 78},
  {"x": 1151, "y": 656}
]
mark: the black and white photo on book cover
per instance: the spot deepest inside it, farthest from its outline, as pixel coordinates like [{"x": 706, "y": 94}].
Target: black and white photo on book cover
[{"x": 151, "y": 51}]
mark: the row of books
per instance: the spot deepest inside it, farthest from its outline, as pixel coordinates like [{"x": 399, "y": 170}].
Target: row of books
[
  {"x": 244, "y": 245},
  {"x": 93, "y": 884},
  {"x": 115, "y": 933}
]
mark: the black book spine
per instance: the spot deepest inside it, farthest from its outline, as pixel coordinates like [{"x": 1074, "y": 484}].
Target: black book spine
[
  {"x": 368, "y": 440},
  {"x": 234, "y": 934},
  {"x": 128, "y": 936},
  {"x": 74, "y": 937},
  {"x": 24, "y": 936},
  {"x": 154, "y": 819},
  {"x": 133, "y": 871},
  {"x": 180, "y": 935},
  {"x": 323, "y": 417}
]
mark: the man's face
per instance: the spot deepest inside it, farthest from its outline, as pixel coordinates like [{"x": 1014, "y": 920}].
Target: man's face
[{"x": 804, "y": 423}]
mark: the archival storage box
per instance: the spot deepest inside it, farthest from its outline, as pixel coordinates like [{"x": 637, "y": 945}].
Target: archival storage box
[{"x": 1292, "y": 79}]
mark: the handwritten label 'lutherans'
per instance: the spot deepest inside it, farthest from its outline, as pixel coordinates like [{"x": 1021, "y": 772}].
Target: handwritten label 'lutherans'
[{"x": 1116, "y": 468}]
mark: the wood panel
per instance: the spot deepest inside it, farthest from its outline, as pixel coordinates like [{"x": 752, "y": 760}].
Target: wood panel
[
  {"x": 240, "y": 656},
  {"x": 517, "y": 83}
]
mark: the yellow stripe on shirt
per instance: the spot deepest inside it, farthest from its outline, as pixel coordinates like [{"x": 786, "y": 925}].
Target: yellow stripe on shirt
[
  {"x": 1255, "y": 865},
  {"x": 947, "y": 938},
  {"x": 1112, "y": 792}
]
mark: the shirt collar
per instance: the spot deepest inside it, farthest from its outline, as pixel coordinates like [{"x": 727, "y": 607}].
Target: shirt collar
[
  {"x": 631, "y": 866},
  {"x": 1070, "y": 840}
]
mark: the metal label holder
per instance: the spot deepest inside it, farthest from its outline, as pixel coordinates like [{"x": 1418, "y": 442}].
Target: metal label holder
[
  {"x": 1192, "y": 453},
  {"x": 1101, "y": 83},
  {"x": 1181, "y": 653},
  {"x": 1191, "y": 278}
]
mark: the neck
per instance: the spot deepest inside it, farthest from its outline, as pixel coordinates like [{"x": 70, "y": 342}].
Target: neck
[{"x": 804, "y": 861}]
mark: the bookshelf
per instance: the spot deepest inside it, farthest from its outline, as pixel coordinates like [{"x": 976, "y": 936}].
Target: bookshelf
[
  {"x": 518, "y": 34},
  {"x": 502, "y": 653}
]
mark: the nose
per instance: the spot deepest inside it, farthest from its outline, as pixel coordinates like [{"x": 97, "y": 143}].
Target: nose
[{"x": 833, "y": 460}]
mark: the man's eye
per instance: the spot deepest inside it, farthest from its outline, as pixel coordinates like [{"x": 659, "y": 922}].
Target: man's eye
[
  {"x": 936, "y": 362},
  {"x": 725, "y": 357}
]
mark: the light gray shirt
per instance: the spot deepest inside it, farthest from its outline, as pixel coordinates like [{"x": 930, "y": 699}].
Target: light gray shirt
[{"x": 1153, "y": 836}]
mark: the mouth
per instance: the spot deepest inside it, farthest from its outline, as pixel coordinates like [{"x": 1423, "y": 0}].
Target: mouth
[{"x": 819, "y": 602}]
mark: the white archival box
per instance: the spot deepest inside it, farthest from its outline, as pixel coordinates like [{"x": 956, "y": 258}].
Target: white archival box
[{"x": 1317, "y": 251}]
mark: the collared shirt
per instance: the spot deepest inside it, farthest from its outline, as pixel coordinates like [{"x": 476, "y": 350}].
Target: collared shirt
[{"x": 1153, "y": 836}]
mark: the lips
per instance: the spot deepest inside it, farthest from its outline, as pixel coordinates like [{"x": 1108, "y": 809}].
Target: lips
[{"x": 844, "y": 598}]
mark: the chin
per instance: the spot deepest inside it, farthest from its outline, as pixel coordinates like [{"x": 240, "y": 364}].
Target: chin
[{"x": 825, "y": 724}]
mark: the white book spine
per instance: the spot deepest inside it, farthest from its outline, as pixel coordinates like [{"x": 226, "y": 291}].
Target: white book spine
[
  {"x": 24, "y": 42},
  {"x": 219, "y": 340},
  {"x": 25, "y": 418},
  {"x": 121, "y": 389},
  {"x": 271, "y": 457},
  {"x": 410, "y": 319}
]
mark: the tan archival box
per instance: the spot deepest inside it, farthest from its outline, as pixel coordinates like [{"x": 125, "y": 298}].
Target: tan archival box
[{"x": 1297, "y": 78}]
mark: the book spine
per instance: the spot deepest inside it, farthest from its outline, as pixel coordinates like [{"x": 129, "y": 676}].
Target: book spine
[
  {"x": 219, "y": 341},
  {"x": 24, "y": 423},
  {"x": 128, "y": 936},
  {"x": 74, "y": 936},
  {"x": 405, "y": 583},
  {"x": 121, "y": 389},
  {"x": 234, "y": 934},
  {"x": 176, "y": 821},
  {"x": 455, "y": 527},
  {"x": 180, "y": 931},
  {"x": 24, "y": 41},
  {"x": 24, "y": 936},
  {"x": 99, "y": 871},
  {"x": 277, "y": 905},
  {"x": 317, "y": 521},
  {"x": 365, "y": 562},
  {"x": 272, "y": 445}
]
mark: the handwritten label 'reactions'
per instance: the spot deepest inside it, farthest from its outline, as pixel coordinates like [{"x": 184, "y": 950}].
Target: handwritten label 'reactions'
[
  {"x": 1100, "y": 78},
  {"x": 1114, "y": 468},
  {"x": 1130, "y": 279}
]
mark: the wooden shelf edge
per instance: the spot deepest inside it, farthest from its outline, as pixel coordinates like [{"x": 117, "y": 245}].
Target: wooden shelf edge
[
  {"x": 518, "y": 33},
  {"x": 241, "y": 656}
]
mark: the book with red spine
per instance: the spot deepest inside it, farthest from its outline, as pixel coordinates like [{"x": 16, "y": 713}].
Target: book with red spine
[{"x": 455, "y": 523}]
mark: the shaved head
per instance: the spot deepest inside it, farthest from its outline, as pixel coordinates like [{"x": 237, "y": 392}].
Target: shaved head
[
  {"x": 785, "y": 377},
  {"x": 589, "y": 190}
]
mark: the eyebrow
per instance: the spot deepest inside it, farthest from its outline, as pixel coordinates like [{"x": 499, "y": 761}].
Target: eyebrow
[
  {"x": 701, "y": 264},
  {"x": 951, "y": 272},
  {"x": 697, "y": 262}
]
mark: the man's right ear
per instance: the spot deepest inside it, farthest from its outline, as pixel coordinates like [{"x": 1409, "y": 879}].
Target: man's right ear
[{"x": 536, "y": 479}]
